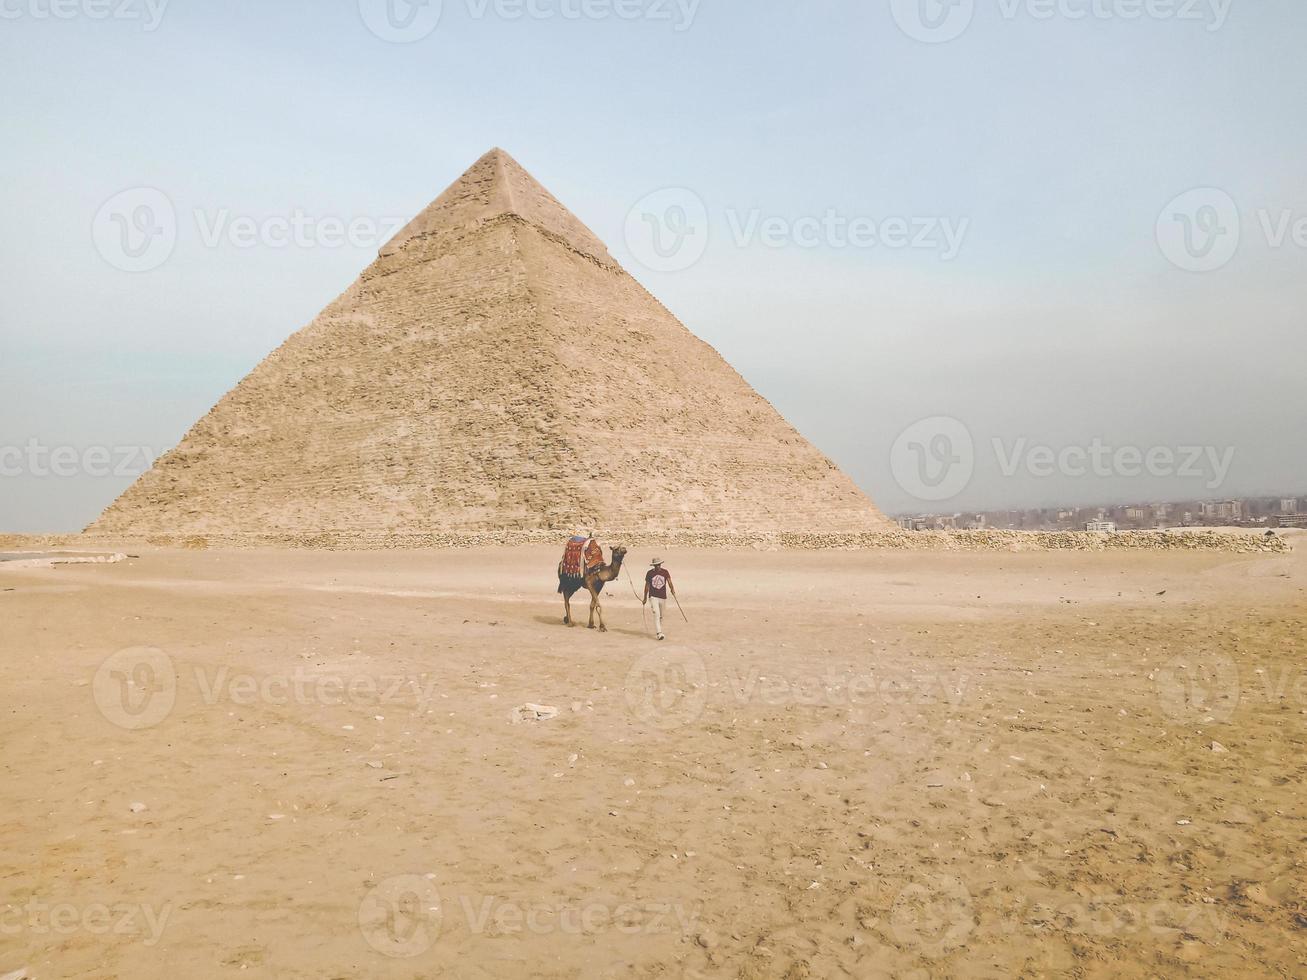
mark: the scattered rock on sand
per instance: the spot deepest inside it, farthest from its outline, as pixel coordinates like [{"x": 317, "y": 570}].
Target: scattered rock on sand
[
  {"x": 1253, "y": 891},
  {"x": 137, "y": 808},
  {"x": 533, "y": 712}
]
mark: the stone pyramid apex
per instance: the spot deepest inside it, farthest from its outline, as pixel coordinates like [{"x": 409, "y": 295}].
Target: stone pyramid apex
[
  {"x": 492, "y": 371},
  {"x": 496, "y": 188}
]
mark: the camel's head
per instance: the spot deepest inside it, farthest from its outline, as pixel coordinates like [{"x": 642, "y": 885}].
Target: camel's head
[{"x": 619, "y": 553}]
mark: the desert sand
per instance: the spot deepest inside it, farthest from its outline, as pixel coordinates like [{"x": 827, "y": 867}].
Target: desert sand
[{"x": 865, "y": 763}]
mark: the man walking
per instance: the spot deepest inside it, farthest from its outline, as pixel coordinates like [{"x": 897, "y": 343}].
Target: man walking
[{"x": 656, "y": 583}]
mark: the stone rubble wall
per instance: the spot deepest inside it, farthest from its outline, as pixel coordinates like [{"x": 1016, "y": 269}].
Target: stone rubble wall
[{"x": 898, "y": 540}]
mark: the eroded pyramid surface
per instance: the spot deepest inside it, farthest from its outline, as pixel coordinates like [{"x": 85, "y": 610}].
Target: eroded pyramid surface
[{"x": 493, "y": 369}]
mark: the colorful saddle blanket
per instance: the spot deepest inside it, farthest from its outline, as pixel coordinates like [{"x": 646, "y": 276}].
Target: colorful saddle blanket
[{"x": 581, "y": 556}]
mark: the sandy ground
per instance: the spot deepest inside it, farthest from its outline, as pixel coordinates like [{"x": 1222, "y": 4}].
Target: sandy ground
[{"x": 295, "y": 764}]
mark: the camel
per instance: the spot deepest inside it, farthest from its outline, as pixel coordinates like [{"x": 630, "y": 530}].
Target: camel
[{"x": 593, "y": 582}]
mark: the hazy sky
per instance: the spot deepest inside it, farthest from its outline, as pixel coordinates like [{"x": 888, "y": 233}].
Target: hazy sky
[{"x": 951, "y": 242}]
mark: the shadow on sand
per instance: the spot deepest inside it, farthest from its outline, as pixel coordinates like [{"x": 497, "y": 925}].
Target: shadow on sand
[{"x": 580, "y": 625}]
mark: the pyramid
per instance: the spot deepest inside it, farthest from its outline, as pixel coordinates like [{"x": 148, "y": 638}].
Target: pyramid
[{"x": 494, "y": 369}]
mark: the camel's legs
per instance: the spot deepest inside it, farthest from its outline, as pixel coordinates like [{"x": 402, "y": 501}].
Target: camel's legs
[
  {"x": 596, "y": 608},
  {"x": 567, "y": 610}
]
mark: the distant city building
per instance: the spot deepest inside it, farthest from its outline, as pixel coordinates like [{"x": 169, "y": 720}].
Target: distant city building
[
  {"x": 1222, "y": 510},
  {"x": 1247, "y": 512}
]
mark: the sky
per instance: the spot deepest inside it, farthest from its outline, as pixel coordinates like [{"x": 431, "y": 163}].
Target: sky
[{"x": 1001, "y": 253}]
